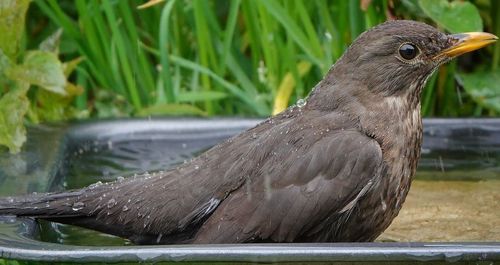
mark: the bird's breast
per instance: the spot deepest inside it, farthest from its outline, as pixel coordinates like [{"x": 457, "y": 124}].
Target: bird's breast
[
  {"x": 401, "y": 156},
  {"x": 399, "y": 134}
]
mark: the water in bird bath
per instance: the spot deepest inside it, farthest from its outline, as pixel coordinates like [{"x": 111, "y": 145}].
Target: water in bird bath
[
  {"x": 443, "y": 211},
  {"x": 455, "y": 196}
]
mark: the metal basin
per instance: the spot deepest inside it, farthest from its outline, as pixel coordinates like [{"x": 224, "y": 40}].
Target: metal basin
[{"x": 463, "y": 151}]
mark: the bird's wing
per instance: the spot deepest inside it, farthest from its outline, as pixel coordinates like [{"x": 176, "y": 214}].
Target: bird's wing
[{"x": 305, "y": 188}]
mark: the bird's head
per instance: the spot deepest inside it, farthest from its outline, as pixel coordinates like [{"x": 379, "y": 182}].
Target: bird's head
[
  {"x": 399, "y": 55},
  {"x": 396, "y": 58}
]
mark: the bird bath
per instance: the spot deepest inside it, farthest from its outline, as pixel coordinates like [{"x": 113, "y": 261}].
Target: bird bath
[{"x": 455, "y": 198}]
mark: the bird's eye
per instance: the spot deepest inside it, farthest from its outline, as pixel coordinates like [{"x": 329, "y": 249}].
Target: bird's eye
[{"x": 408, "y": 51}]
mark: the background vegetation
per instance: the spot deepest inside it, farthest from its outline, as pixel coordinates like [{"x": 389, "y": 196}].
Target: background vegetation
[{"x": 92, "y": 58}]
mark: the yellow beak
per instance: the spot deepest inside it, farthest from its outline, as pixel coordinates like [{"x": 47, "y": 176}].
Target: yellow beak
[{"x": 467, "y": 42}]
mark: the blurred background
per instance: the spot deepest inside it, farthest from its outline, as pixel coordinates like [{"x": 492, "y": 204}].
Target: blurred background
[{"x": 67, "y": 60}]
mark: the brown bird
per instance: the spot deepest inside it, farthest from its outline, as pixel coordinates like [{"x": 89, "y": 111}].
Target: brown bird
[{"x": 335, "y": 168}]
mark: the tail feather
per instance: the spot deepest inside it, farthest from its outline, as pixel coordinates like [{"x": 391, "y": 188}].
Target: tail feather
[
  {"x": 41, "y": 205},
  {"x": 63, "y": 207}
]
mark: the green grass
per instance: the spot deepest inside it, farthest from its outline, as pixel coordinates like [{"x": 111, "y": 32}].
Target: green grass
[{"x": 226, "y": 57}]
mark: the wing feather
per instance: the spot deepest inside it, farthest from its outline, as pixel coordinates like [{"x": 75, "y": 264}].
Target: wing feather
[{"x": 326, "y": 181}]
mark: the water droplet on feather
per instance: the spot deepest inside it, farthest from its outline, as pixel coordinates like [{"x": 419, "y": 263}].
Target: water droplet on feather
[
  {"x": 111, "y": 203},
  {"x": 77, "y": 206},
  {"x": 301, "y": 103},
  {"x": 95, "y": 185}
]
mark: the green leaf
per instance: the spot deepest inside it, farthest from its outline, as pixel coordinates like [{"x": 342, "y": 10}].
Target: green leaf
[
  {"x": 12, "y": 14},
  {"x": 70, "y": 66},
  {"x": 164, "y": 52},
  {"x": 455, "y": 16},
  {"x": 412, "y": 7},
  {"x": 9, "y": 262},
  {"x": 13, "y": 107},
  {"x": 171, "y": 110},
  {"x": 40, "y": 68},
  {"x": 294, "y": 30},
  {"x": 54, "y": 107},
  {"x": 111, "y": 105},
  {"x": 196, "y": 96},
  {"x": 483, "y": 87},
  {"x": 5, "y": 64},
  {"x": 51, "y": 44},
  {"x": 231, "y": 88}
]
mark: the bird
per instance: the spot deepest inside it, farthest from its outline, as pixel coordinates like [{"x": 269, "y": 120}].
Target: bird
[{"x": 334, "y": 168}]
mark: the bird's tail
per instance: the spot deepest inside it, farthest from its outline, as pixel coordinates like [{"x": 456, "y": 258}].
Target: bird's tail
[
  {"x": 43, "y": 205},
  {"x": 69, "y": 207}
]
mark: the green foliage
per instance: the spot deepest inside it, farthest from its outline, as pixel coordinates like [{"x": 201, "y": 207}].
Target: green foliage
[
  {"x": 458, "y": 16},
  {"x": 247, "y": 51},
  {"x": 12, "y": 14},
  {"x": 483, "y": 88},
  {"x": 111, "y": 105},
  {"x": 39, "y": 68},
  {"x": 157, "y": 55},
  {"x": 14, "y": 103},
  {"x": 171, "y": 109},
  {"x": 455, "y": 17},
  {"x": 13, "y": 106},
  {"x": 9, "y": 262}
]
